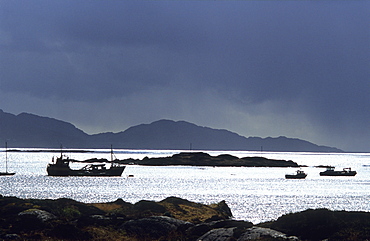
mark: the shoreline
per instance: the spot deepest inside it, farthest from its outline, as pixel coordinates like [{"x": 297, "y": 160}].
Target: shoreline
[{"x": 169, "y": 219}]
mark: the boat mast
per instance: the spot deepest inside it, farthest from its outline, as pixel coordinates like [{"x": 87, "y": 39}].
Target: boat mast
[
  {"x": 6, "y": 157},
  {"x": 111, "y": 153},
  {"x": 61, "y": 151}
]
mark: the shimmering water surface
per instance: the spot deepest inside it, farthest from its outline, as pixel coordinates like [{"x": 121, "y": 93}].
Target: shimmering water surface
[{"x": 253, "y": 194}]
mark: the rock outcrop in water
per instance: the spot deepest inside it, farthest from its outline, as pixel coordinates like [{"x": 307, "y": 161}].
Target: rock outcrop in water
[
  {"x": 170, "y": 219},
  {"x": 204, "y": 159}
]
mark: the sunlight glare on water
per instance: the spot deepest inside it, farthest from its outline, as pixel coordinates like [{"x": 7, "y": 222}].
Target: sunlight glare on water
[{"x": 253, "y": 194}]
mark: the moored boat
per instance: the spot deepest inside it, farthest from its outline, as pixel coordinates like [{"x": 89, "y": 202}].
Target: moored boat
[
  {"x": 61, "y": 167},
  {"x": 298, "y": 175},
  {"x": 6, "y": 173},
  {"x": 331, "y": 172}
]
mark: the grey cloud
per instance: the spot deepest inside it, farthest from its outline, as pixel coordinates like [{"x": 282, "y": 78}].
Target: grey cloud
[{"x": 308, "y": 57}]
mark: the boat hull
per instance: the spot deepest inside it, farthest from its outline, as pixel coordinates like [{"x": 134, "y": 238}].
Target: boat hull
[
  {"x": 114, "y": 171},
  {"x": 7, "y": 173},
  {"x": 338, "y": 173},
  {"x": 298, "y": 175},
  {"x": 54, "y": 170},
  {"x": 295, "y": 176}
]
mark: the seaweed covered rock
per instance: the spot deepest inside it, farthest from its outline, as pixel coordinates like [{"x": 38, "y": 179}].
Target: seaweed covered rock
[
  {"x": 195, "y": 212},
  {"x": 219, "y": 234},
  {"x": 239, "y": 234},
  {"x": 68, "y": 231},
  {"x": 41, "y": 215},
  {"x": 155, "y": 227},
  {"x": 149, "y": 206},
  {"x": 322, "y": 224},
  {"x": 258, "y": 233},
  {"x": 170, "y": 219},
  {"x": 32, "y": 219},
  {"x": 175, "y": 207},
  {"x": 222, "y": 226},
  {"x": 223, "y": 208}
]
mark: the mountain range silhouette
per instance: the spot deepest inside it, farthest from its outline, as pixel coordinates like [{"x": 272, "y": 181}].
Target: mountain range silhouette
[{"x": 31, "y": 131}]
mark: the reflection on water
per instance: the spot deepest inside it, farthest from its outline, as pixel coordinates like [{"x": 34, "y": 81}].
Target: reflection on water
[{"x": 253, "y": 194}]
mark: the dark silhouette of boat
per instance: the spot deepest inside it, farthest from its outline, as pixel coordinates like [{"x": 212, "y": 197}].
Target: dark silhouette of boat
[
  {"x": 6, "y": 173},
  {"x": 331, "y": 172},
  {"x": 298, "y": 175},
  {"x": 61, "y": 168}
]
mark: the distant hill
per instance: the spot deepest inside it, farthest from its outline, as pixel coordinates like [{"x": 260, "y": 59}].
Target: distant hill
[
  {"x": 168, "y": 134},
  {"x": 28, "y": 130}
]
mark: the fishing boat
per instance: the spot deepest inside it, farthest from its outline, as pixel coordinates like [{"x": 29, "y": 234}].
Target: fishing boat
[
  {"x": 331, "y": 172},
  {"x": 6, "y": 173},
  {"x": 60, "y": 167},
  {"x": 298, "y": 175}
]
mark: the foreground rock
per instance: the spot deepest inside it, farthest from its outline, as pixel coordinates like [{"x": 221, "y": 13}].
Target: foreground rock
[
  {"x": 204, "y": 159},
  {"x": 320, "y": 224},
  {"x": 170, "y": 219},
  {"x": 66, "y": 219},
  {"x": 155, "y": 227},
  {"x": 258, "y": 233},
  {"x": 253, "y": 233},
  {"x": 40, "y": 215}
]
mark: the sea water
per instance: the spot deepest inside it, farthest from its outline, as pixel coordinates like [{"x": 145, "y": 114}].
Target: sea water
[{"x": 255, "y": 194}]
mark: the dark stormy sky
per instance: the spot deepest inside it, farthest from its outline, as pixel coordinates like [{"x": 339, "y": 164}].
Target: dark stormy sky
[{"x": 299, "y": 69}]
